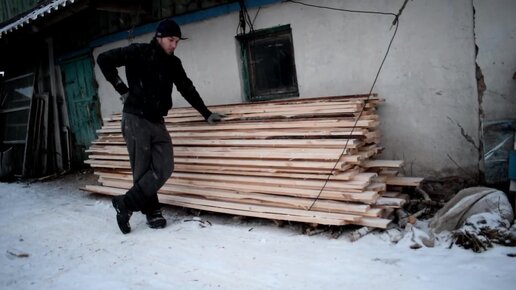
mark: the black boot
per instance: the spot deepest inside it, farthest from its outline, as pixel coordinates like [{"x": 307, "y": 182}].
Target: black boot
[
  {"x": 122, "y": 214},
  {"x": 156, "y": 220}
]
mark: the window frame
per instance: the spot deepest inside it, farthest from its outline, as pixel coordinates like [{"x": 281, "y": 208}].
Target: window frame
[{"x": 246, "y": 42}]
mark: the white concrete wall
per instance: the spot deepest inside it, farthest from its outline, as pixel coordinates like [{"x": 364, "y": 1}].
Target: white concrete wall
[
  {"x": 495, "y": 31},
  {"x": 430, "y": 90},
  {"x": 430, "y": 117}
]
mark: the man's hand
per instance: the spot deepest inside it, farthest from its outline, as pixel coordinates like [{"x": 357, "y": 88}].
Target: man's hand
[{"x": 214, "y": 118}]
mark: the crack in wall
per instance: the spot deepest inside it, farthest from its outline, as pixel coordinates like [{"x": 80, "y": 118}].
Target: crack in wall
[
  {"x": 466, "y": 136},
  {"x": 481, "y": 88},
  {"x": 478, "y": 175}
]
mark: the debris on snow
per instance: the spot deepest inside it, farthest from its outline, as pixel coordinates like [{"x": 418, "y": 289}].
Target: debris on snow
[
  {"x": 477, "y": 217},
  {"x": 17, "y": 253}
]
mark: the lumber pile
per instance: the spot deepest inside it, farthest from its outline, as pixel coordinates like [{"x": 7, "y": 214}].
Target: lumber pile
[{"x": 306, "y": 160}]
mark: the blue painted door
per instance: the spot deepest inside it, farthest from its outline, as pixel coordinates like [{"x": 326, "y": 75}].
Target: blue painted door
[{"x": 82, "y": 103}]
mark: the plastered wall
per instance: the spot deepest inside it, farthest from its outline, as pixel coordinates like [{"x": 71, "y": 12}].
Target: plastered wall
[{"x": 430, "y": 117}]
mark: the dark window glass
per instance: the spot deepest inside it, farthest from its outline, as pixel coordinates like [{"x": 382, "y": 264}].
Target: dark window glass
[{"x": 269, "y": 68}]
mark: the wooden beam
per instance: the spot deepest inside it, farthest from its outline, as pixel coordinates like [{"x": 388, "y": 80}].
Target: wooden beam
[{"x": 403, "y": 181}]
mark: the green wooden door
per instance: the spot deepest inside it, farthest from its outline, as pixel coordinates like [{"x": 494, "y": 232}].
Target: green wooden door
[{"x": 82, "y": 103}]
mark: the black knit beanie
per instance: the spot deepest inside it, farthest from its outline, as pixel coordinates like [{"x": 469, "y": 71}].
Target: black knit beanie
[{"x": 168, "y": 27}]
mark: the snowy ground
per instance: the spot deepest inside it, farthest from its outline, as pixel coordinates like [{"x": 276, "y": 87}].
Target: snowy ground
[{"x": 54, "y": 236}]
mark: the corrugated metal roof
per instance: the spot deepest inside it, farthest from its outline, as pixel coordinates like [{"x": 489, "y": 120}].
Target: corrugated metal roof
[{"x": 35, "y": 14}]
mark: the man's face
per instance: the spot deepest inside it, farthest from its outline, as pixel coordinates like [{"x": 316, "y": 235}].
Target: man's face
[{"x": 168, "y": 43}]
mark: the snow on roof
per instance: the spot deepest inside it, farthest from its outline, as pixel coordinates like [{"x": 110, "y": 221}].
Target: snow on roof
[{"x": 35, "y": 14}]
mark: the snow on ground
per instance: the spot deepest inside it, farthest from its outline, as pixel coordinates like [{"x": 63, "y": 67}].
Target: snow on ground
[{"x": 55, "y": 236}]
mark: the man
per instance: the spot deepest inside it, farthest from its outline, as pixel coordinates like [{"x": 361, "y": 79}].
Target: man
[{"x": 151, "y": 70}]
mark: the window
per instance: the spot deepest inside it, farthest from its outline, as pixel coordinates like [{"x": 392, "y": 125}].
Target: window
[
  {"x": 15, "y": 101},
  {"x": 269, "y": 70},
  {"x": 16, "y": 97}
]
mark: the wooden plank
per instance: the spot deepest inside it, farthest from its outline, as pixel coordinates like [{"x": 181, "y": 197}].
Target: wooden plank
[
  {"x": 304, "y": 166},
  {"x": 307, "y": 133},
  {"x": 248, "y": 171},
  {"x": 374, "y": 222},
  {"x": 120, "y": 153},
  {"x": 265, "y": 111},
  {"x": 403, "y": 181},
  {"x": 390, "y": 202},
  {"x": 391, "y": 194},
  {"x": 205, "y": 188},
  {"x": 265, "y": 163},
  {"x": 336, "y": 185},
  {"x": 303, "y": 173},
  {"x": 121, "y": 165},
  {"x": 332, "y": 123},
  {"x": 274, "y": 216},
  {"x": 272, "y": 143},
  {"x": 382, "y": 163},
  {"x": 370, "y": 100},
  {"x": 108, "y": 164}
]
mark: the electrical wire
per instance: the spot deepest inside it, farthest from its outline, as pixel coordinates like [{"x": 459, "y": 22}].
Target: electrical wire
[
  {"x": 356, "y": 119},
  {"x": 394, "y": 23},
  {"x": 343, "y": 10},
  {"x": 256, "y": 15},
  {"x": 246, "y": 20}
]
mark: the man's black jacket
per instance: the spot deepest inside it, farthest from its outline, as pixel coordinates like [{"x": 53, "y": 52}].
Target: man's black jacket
[{"x": 150, "y": 73}]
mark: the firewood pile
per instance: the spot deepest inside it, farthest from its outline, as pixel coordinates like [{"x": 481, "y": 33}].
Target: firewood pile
[{"x": 305, "y": 160}]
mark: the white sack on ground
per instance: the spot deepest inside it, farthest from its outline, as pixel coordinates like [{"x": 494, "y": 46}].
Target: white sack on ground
[{"x": 469, "y": 202}]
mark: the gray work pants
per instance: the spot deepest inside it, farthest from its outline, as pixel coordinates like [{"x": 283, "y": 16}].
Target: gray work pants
[{"x": 152, "y": 161}]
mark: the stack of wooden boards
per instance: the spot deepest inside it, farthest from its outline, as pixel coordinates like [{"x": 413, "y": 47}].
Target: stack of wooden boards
[{"x": 306, "y": 160}]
